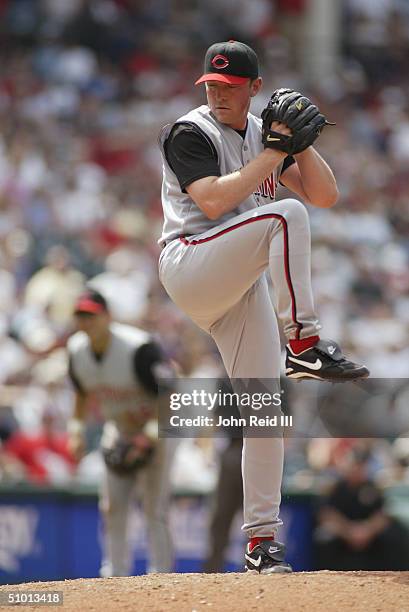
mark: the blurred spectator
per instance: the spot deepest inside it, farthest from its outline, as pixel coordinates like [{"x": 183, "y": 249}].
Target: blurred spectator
[
  {"x": 55, "y": 287},
  {"x": 44, "y": 455},
  {"x": 354, "y": 532},
  {"x": 11, "y": 468},
  {"x": 126, "y": 281}
]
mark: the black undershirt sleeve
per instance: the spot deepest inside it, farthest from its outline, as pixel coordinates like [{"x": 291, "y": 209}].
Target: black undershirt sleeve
[
  {"x": 288, "y": 161},
  {"x": 190, "y": 154},
  {"x": 146, "y": 358}
]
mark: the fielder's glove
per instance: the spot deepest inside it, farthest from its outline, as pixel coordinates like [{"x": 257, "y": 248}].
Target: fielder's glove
[
  {"x": 299, "y": 114},
  {"x": 126, "y": 456}
]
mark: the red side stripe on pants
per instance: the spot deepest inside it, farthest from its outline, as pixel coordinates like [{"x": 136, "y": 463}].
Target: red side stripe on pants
[{"x": 286, "y": 256}]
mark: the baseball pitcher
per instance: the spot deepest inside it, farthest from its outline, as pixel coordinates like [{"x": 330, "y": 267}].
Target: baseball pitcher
[{"x": 223, "y": 230}]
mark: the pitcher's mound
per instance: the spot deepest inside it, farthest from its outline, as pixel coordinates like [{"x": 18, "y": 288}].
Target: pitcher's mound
[{"x": 312, "y": 592}]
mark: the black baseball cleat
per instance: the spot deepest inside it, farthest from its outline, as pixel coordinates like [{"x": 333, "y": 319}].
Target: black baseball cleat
[
  {"x": 324, "y": 361},
  {"x": 267, "y": 557}
]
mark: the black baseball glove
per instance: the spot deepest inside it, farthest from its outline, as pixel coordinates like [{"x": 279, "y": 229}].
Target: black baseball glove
[
  {"x": 127, "y": 456},
  {"x": 299, "y": 114}
]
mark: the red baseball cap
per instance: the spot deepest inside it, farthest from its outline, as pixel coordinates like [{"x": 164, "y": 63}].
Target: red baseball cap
[
  {"x": 91, "y": 302},
  {"x": 229, "y": 62}
]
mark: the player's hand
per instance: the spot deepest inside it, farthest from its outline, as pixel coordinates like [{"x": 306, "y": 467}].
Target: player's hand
[
  {"x": 76, "y": 446},
  {"x": 359, "y": 537},
  {"x": 281, "y": 128}
]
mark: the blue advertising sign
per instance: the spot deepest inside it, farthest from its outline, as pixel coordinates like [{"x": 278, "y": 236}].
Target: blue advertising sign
[{"x": 55, "y": 536}]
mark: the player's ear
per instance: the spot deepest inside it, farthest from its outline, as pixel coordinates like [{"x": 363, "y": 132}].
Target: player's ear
[{"x": 255, "y": 86}]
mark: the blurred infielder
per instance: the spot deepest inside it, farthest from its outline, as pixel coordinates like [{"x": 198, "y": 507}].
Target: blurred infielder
[
  {"x": 222, "y": 230},
  {"x": 118, "y": 364}
]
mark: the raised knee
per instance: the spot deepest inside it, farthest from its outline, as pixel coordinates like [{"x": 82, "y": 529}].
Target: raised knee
[
  {"x": 290, "y": 208},
  {"x": 296, "y": 208},
  {"x": 295, "y": 213}
]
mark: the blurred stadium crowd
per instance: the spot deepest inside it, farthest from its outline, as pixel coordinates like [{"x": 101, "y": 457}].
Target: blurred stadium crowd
[{"x": 84, "y": 88}]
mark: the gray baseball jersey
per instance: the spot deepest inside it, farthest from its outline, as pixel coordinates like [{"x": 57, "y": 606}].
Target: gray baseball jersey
[
  {"x": 214, "y": 271},
  {"x": 181, "y": 215},
  {"x": 112, "y": 379}
]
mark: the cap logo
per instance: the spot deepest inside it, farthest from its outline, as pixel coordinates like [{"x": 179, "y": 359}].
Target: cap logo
[{"x": 219, "y": 62}]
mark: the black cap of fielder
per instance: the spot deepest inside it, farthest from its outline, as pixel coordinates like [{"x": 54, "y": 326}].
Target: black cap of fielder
[{"x": 229, "y": 62}]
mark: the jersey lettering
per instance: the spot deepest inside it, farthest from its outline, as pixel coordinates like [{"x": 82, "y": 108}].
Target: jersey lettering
[{"x": 267, "y": 189}]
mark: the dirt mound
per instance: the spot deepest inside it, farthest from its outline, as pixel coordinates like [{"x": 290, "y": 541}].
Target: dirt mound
[{"x": 317, "y": 591}]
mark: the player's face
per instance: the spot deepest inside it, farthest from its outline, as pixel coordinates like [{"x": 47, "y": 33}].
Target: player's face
[
  {"x": 230, "y": 103},
  {"x": 94, "y": 325}
]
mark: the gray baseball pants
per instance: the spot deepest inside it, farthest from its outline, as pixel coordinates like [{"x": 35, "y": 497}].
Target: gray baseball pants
[
  {"x": 152, "y": 485},
  {"x": 217, "y": 278}
]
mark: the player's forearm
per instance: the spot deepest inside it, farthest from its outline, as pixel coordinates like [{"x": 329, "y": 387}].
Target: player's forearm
[
  {"x": 377, "y": 523},
  {"x": 79, "y": 408},
  {"x": 317, "y": 178},
  {"x": 334, "y": 521},
  {"x": 222, "y": 194},
  {"x": 76, "y": 428}
]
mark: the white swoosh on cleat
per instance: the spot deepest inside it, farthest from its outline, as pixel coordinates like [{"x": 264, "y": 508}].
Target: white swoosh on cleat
[
  {"x": 307, "y": 364},
  {"x": 255, "y": 562}
]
